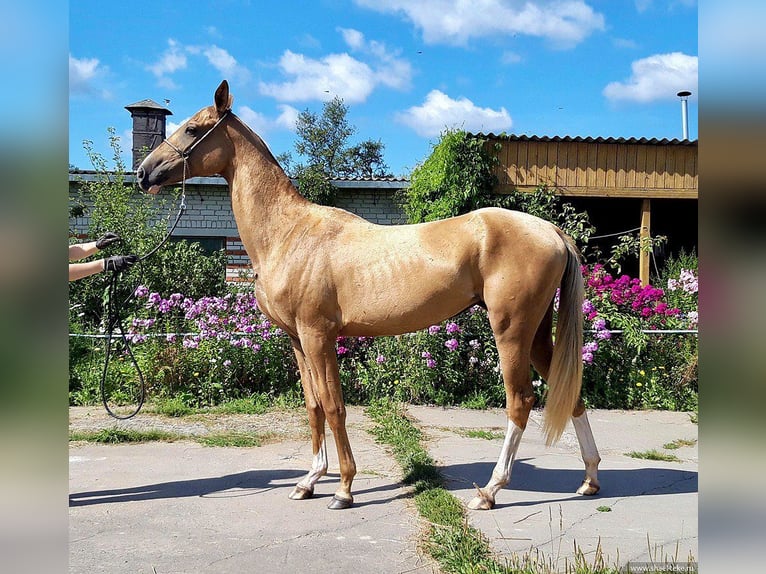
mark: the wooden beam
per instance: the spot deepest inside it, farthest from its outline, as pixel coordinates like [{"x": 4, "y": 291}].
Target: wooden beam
[
  {"x": 624, "y": 192},
  {"x": 645, "y": 234}
]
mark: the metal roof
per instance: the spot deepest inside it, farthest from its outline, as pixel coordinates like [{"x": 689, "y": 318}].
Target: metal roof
[
  {"x": 579, "y": 139},
  {"x": 77, "y": 175}
]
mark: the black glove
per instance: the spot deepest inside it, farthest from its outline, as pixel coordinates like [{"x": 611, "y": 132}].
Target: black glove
[
  {"x": 119, "y": 262},
  {"x": 107, "y": 239}
]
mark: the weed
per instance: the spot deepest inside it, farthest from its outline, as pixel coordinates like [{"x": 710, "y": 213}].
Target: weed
[
  {"x": 678, "y": 443},
  {"x": 480, "y": 433},
  {"x": 232, "y": 439},
  {"x": 654, "y": 454},
  {"x": 115, "y": 436}
]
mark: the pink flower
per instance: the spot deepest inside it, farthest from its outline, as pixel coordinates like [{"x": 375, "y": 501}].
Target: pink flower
[
  {"x": 452, "y": 328},
  {"x": 342, "y": 350},
  {"x": 452, "y": 344}
]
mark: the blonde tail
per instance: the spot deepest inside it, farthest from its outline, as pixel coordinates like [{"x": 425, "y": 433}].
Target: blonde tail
[{"x": 565, "y": 377}]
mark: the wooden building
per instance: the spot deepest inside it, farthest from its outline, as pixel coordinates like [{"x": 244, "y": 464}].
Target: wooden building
[{"x": 655, "y": 175}]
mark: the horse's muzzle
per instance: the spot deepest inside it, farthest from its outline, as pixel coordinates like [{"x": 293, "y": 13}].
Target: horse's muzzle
[{"x": 143, "y": 181}]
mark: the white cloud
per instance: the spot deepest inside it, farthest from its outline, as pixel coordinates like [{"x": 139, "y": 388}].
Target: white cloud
[
  {"x": 658, "y": 77},
  {"x": 510, "y": 57},
  {"x": 82, "y": 74},
  {"x": 343, "y": 75},
  {"x": 354, "y": 38},
  {"x": 262, "y": 124},
  {"x": 439, "y": 111},
  {"x": 225, "y": 63},
  {"x": 171, "y": 127},
  {"x": 171, "y": 60},
  {"x": 336, "y": 74},
  {"x": 563, "y": 22}
]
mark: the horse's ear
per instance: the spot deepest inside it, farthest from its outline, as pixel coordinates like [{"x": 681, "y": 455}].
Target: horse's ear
[{"x": 223, "y": 99}]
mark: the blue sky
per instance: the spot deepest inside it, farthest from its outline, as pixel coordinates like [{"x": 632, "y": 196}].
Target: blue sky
[{"x": 406, "y": 68}]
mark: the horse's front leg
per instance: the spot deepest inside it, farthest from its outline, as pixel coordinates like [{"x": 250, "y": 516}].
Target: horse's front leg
[
  {"x": 305, "y": 488},
  {"x": 323, "y": 363}
]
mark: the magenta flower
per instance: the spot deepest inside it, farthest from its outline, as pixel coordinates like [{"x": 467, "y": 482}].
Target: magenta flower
[
  {"x": 452, "y": 344},
  {"x": 425, "y": 355},
  {"x": 380, "y": 359},
  {"x": 431, "y": 364},
  {"x": 342, "y": 350},
  {"x": 433, "y": 329}
]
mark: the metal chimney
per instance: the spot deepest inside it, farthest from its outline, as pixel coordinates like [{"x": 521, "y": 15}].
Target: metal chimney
[
  {"x": 684, "y": 95},
  {"x": 148, "y": 127}
]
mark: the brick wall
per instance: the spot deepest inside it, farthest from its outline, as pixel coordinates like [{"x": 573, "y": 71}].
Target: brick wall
[{"x": 209, "y": 214}]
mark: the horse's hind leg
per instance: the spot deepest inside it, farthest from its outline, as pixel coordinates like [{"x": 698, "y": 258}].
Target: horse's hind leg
[
  {"x": 305, "y": 488},
  {"x": 513, "y": 345},
  {"x": 542, "y": 352},
  {"x": 590, "y": 456}
]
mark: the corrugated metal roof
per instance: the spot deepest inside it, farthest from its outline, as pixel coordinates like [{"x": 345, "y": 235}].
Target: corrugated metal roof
[
  {"x": 347, "y": 182},
  {"x": 579, "y": 139}
]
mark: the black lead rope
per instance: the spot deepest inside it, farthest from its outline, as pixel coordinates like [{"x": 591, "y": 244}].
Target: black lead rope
[
  {"x": 114, "y": 321},
  {"x": 113, "y": 314}
]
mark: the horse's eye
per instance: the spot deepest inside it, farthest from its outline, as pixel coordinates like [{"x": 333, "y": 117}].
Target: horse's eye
[{"x": 191, "y": 130}]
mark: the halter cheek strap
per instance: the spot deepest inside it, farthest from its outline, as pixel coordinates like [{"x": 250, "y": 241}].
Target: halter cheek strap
[{"x": 185, "y": 154}]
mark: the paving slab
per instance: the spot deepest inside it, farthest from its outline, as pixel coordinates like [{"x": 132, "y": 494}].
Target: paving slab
[
  {"x": 653, "y": 504},
  {"x": 183, "y": 508}
]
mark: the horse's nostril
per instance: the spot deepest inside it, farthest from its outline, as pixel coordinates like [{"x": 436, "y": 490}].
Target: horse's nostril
[{"x": 140, "y": 172}]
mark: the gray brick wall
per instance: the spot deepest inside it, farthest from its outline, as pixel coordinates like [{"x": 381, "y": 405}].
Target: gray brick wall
[{"x": 209, "y": 214}]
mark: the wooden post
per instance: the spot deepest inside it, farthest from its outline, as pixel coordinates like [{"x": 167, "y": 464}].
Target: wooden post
[{"x": 643, "y": 256}]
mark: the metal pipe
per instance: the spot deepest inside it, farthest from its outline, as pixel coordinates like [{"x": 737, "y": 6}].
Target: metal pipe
[{"x": 684, "y": 95}]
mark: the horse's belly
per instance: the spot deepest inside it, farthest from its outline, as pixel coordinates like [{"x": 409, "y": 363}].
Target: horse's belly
[{"x": 393, "y": 311}]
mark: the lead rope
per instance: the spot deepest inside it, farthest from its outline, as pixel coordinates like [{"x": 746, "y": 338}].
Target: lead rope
[
  {"x": 113, "y": 318},
  {"x": 115, "y": 321}
]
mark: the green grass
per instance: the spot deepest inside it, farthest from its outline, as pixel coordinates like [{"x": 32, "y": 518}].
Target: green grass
[
  {"x": 116, "y": 436},
  {"x": 458, "y": 547},
  {"x": 232, "y": 439},
  {"x": 172, "y": 407},
  {"x": 479, "y": 433},
  {"x": 678, "y": 443},
  {"x": 653, "y": 454},
  {"x": 604, "y": 508}
]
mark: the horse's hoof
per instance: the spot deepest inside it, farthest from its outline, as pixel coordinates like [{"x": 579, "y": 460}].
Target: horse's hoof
[
  {"x": 301, "y": 493},
  {"x": 588, "y": 488},
  {"x": 480, "y": 503},
  {"x": 338, "y": 503}
]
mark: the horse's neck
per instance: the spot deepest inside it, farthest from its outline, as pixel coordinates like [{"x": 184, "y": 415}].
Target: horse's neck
[{"x": 264, "y": 200}]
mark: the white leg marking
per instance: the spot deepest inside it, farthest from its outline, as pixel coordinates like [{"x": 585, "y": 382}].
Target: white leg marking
[
  {"x": 501, "y": 475},
  {"x": 318, "y": 468},
  {"x": 589, "y": 453}
]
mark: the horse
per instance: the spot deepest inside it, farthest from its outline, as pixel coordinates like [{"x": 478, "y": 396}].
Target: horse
[{"x": 321, "y": 272}]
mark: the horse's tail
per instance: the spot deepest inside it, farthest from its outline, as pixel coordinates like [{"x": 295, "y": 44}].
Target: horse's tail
[{"x": 565, "y": 376}]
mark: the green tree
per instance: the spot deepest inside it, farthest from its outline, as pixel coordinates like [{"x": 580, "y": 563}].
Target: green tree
[{"x": 323, "y": 144}]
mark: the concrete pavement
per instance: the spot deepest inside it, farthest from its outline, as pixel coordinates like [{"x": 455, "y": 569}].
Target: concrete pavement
[{"x": 174, "y": 508}]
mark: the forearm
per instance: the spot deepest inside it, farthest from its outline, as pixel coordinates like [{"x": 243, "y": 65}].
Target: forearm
[
  {"x": 80, "y": 270},
  {"x": 82, "y": 250}
]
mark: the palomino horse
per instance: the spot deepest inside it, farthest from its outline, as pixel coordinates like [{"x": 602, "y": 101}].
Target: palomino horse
[{"x": 321, "y": 272}]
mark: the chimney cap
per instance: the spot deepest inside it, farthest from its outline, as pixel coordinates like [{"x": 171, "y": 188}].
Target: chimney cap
[
  {"x": 148, "y": 105},
  {"x": 684, "y": 94}
]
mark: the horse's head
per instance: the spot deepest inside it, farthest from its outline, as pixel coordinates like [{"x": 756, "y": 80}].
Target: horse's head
[{"x": 201, "y": 144}]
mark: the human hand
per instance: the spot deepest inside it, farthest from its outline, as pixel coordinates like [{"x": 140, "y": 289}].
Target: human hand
[
  {"x": 107, "y": 239},
  {"x": 119, "y": 262}
]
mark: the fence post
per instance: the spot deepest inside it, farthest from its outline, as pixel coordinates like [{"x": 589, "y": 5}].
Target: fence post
[{"x": 645, "y": 235}]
